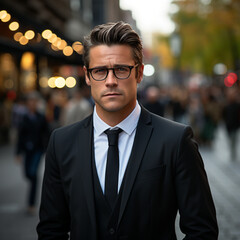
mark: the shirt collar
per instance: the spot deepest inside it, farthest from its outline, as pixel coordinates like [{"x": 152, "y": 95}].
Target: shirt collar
[{"x": 128, "y": 125}]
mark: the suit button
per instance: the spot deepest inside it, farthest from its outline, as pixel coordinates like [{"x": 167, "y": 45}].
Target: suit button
[{"x": 111, "y": 231}]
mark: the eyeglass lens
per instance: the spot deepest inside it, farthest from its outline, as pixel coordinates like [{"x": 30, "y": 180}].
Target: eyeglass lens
[{"x": 119, "y": 72}]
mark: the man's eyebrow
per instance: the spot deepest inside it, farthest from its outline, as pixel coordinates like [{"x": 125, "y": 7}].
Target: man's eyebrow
[
  {"x": 99, "y": 67},
  {"x": 120, "y": 65},
  {"x": 115, "y": 65}
]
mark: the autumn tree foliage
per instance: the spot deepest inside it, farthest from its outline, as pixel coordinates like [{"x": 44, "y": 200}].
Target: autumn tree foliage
[{"x": 210, "y": 33}]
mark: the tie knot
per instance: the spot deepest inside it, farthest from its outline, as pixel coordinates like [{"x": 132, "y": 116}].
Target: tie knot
[{"x": 113, "y": 136}]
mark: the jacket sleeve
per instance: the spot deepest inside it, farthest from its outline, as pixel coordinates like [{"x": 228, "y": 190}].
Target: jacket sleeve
[
  {"x": 196, "y": 207},
  {"x": 54, "y": 213}
]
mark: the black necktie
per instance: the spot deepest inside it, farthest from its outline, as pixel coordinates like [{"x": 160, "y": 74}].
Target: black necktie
[{"x": 111, "y": 177}]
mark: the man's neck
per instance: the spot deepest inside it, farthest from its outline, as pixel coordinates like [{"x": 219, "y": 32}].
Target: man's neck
[{"x": 114, "y": 118}]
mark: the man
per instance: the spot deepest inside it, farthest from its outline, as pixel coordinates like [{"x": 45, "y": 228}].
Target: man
[
  {"x": 231, "y": 117},
  {"x": 160, "y": 170},
  {"x": 77, "y": 108},
  {"x": 32, "y": 140},
  {"x": 153, "y": 101}
]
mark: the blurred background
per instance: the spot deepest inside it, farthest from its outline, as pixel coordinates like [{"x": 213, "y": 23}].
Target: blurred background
[{"x": 191, "y": 75}]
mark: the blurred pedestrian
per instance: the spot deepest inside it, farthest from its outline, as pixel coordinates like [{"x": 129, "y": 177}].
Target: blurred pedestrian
[
  {"x": 77, "y": 108},
  {"x": 196, "y": 116},
  {"x": 18, "y": 112},
  {"x": 212, "y": 115},
  {"x": 231, "y": 117},
  {"x": 31, "y": 144},
  {"x": 95, "y": 188},
  {"x": 53, "y": 110},
  {"x": 178, "y": 104},
  {"x": 152, "y": 102}
]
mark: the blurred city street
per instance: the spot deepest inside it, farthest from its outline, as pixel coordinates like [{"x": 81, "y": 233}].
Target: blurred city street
[
  {"x": 223, "y": 174},
  {"x": 191, "y": 75},
  {"x": 15, "y": 222}
]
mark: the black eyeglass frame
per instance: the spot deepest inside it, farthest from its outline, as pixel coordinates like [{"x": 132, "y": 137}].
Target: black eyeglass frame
[{"x": 113, "y": 69}]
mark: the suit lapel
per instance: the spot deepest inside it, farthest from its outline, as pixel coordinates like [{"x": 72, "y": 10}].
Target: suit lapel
[
  {"x": 85, "y": 139},
  {"x": 143, "y": 133}
]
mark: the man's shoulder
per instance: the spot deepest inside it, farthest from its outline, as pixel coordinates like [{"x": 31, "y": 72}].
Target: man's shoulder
[
  {"x": 163, "y": 123},
  {"x": 170, "y": 133},
  {"x": 167, "y": 122}
]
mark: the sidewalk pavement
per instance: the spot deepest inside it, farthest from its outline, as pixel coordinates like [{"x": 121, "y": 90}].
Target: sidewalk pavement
[
  {"x": 15, "y": 222},
  {"x": 223, "y": 175}
]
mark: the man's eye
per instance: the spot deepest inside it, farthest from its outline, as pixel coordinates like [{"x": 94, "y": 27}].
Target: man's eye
[
  {"x": 121, "y": 69},
  {"x": 99, "y": 70}
]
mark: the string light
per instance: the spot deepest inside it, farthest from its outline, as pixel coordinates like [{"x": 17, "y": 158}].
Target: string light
[
  {"x": 62, "y": 44},
  {"x": 77, "y": 46},
  {"x": 14, "y": 26},
  {"x": 3, "y": 14},
  {"x": 53, "y": 38},
  {"x": 46, "y": 34},
  {"x": 30, "y": 34},
  {"x": 23, "y": 40},
  {"x": 68, "y": 51},
  {"x": 6, "y": 18},
  {"x": 17, "y": 36},
  {"x": 56, "y": 42}
]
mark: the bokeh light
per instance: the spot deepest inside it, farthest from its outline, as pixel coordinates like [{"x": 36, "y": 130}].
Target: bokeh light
[
  {"x": 62, "y": 44},
  {"x": 53, "y": 38},
  {"x": 46, "y": 34},
  {"x": 30, "y": 34},
  {"x": 220, "y": 68},
  {"x": 27, "y": 61},
  {"x": 57, "y": 42},
  {"x": 17, "y": 36},
  {"x": 230, "y": 79},
  {"x": 60, "y": 82},
  {"x": 71, "y": 82},
  {"x": 78, "y": 47},
  {"x": 51, "y": 82},
  {"x": 3, "y": 14},
  {"x": 149, "y": 70},
  {"x": 23, "y": 40},
  {"x": 68, "y": 51},
  {"x": 14, "y": 26},
  {"x": 6, "y": 18}
]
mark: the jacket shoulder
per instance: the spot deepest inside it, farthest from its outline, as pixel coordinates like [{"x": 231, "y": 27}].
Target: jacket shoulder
[
  {"x": 170, "y": 132},
  {"x": 168, "y": 126}
]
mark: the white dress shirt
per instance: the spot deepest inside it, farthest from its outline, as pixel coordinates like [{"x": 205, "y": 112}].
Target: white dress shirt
[{"x": 125, "y": 143}]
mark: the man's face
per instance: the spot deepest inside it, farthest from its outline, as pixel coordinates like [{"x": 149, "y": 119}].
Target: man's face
[
  {"x": 32, "y": 104},
  {"x": 112, "y": 94}
]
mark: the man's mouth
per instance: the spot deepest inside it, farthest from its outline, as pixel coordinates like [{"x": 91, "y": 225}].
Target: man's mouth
[{"x": 111, "y": 94}]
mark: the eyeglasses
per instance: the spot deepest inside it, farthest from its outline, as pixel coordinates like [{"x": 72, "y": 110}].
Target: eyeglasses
[{"x": 120, "y": 72}]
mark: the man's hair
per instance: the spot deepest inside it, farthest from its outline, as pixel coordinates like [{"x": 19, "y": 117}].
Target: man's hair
[{"x": 110, "y": 34}]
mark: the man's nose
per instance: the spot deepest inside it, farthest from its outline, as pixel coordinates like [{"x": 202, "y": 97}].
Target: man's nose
[{"x": 111, "y": 80}]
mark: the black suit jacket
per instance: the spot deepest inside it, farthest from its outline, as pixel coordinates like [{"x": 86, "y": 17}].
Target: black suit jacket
[{"x": 165, "y": 174}]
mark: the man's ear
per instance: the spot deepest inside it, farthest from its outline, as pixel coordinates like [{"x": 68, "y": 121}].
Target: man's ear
[
  {"x": 87, "y": 80},
  {"x": 140, "y": 73}
]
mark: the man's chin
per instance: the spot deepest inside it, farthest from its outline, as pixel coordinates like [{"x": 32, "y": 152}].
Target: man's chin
[{"x": 112, "y": 108}]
